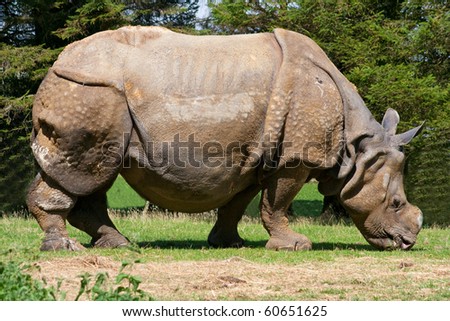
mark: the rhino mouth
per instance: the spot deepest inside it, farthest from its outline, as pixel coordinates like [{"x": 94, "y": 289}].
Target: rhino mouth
[
  {"x": 392, "y": 242},
  {"x": 403, "y": 243}
]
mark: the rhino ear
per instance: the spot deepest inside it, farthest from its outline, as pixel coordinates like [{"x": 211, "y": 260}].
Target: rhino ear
[
  {"x": 406, "y": 137},
  {"x": 390, "y": 121}
]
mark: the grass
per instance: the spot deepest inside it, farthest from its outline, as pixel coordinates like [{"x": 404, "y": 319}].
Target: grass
[
  {"x": 122, "y": 196},
  {"x": 173, "y": 253},
  {"x": 184, "y": 238}
]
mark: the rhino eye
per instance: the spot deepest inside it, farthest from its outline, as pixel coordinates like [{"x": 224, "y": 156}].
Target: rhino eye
[{"x": 375, "y": 164}]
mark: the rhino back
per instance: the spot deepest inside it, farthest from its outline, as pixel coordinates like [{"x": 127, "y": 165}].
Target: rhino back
[
  {"x": 179, "y": 81},
  {"x": 214, "y": 87}
]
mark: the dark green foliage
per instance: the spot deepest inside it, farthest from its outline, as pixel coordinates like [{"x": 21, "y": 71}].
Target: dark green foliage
[
  {"x": 17, "y": 167},
  {"x": 97, "y": 15},
  {"x": 430, "y": 40},
  {"x": 57, "y": 23},
  {"x": 92, "y": 17},
  {"x": 32, "y": 22},
  {"x": 400, "y": 86},
  {"x": 170, "y": 13},
  {"x": 428, "y": 180},
  {"x": 17, "y": 285},
  {"x": 23, "y": 69}
]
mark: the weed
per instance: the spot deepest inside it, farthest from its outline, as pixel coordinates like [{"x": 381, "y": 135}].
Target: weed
[
  {"x": 100, "y": 291},
  {"x": 16, "y": 285}
]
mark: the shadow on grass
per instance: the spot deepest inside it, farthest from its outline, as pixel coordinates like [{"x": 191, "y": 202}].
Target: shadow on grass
[
  {"x": 328, "y": 246},
  {"x": 174, "y": 244},
  {"x": 203, "y": 244},
  {"x": 191, "y": 244}
]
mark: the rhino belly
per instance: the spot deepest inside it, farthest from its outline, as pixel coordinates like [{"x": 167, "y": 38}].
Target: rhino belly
[
  {"x": 194, "y": 155},
  {"x": 188, "y": 189}
]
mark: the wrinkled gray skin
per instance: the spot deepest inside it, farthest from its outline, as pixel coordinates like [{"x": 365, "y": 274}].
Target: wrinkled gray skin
[{"x": 122, "y": 101}]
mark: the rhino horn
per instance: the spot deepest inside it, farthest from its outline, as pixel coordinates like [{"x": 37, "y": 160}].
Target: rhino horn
[
  {"x": 390, "y": 121},
  {"x": 406, "y": 137}
]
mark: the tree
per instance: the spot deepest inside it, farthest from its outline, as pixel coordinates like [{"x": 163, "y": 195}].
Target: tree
[
  {"x": 430, "y": 37},
  {"x": 93, "y": 16},
  {"x": 57, "y": 23},
  {"x": 32, "y": 22}
]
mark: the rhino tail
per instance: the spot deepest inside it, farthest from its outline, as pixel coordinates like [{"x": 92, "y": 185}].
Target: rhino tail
[{"x": 80, "y": 133}]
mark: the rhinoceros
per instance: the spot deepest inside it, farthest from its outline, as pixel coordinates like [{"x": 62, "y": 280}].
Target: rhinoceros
[{"x": 195, "y": 123}]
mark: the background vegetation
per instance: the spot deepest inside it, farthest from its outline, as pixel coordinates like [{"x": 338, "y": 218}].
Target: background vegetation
[{"x": 395, "y": 52}]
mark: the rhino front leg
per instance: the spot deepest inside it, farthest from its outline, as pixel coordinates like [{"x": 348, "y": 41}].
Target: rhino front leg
[
  {"x": 90, "y": 215},
  {"x": 277, "y": 194},
  {"x": 50, "y": 205},
  {"x": 224, "y": 232}
]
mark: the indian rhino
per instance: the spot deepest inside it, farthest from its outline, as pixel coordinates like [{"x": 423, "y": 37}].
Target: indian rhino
[{"x": 195, "y": 123}]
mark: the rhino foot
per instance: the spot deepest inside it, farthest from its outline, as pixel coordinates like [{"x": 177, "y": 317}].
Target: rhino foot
[
  {"x": 217, "y": 241},
  {"x": 55, "y": 243},
  {"x": 112, "y": 240},
  {"x": 289, "y": 242}
]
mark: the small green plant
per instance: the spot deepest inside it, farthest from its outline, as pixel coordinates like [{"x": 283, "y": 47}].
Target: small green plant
[
  {"x": 16, "y": 285},
  {"x": 100, "y": 291}
]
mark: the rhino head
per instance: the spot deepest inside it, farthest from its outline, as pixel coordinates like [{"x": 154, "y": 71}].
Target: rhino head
[{"x": 373, "y": 192}]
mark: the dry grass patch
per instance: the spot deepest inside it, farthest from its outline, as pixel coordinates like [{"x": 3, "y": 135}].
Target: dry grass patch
[{"x": 362, "y": 278}]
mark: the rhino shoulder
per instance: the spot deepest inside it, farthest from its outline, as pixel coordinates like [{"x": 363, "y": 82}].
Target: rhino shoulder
[
  {"x": 306, "y": 106},
  {"x": 296, "y": 43}
]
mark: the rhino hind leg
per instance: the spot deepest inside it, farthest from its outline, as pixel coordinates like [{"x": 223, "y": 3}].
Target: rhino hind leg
[
  {"x": 225, "y": 232},
  {"x": 50, "y": 205},
  {"x": 90, "y": 215},
  {"x": 277, "y": 194}
]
